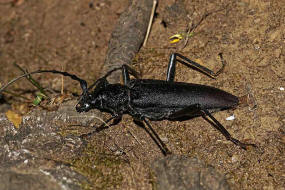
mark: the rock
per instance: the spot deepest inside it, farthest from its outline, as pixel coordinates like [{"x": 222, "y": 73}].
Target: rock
[{"x": 176, "y": 172}]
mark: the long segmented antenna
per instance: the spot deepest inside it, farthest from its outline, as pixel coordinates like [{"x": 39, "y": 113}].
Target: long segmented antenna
[
  {"x": 104, "y": 77},
  {"x": 131, "y": 70},
  {"x": 82, "y": 82}
]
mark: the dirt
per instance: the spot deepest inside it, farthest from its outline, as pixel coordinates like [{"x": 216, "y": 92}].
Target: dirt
[{"x": 73, "y": 36}]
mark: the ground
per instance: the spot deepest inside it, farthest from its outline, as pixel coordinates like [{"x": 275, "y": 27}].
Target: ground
[{"x": 73, "y": 36}]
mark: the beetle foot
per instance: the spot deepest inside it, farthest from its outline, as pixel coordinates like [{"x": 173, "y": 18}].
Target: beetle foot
[
  {"x": 242, "y": 145},
  {"x": 86, "y": 136},
  {"x": 248, "y": 144},
  {"x": 166, "y": 151}
]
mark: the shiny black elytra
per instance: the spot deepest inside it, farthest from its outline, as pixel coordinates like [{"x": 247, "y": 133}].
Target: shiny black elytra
[{"x": 154, "y": 99}]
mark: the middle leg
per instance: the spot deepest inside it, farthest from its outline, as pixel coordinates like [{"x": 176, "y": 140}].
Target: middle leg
[
  {"x": 176, "y": 57},
  {"x": 155, "y": 137}
]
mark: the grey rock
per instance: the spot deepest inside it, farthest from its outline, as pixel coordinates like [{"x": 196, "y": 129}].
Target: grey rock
[{"x": 176, "y": 172}]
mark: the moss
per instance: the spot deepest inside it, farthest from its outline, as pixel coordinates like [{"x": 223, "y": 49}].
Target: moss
[
  {"x": 101, "y": 169},
  {"x": 153, "y": 180}
]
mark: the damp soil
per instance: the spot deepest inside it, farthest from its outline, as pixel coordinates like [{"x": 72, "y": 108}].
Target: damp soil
[{"x": 73, "y": 36}]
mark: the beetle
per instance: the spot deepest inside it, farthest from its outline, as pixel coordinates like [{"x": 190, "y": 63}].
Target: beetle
[{"x": 154, "y": 100}]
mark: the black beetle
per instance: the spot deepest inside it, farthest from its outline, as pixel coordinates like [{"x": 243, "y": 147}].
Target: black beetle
[{"x": 154, "y": 99}]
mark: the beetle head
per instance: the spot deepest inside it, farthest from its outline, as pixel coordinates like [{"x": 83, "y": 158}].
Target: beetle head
[
  {"x": 90, "y": 100},
  {"x": 85, "y": 103}
]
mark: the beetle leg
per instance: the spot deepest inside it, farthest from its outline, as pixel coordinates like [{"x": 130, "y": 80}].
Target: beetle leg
[
  {"x": 221, "y": 128},
  {"x": 189, "y": 63},
  {"x": 140, "y": 122},
  {"x": 196, "y": 109},
  {"x": 116, "y": 119},
  {"x": 126, "y": 71},
  {"x": 186, "y": 112},
  {"x": 166, "y": 150}
]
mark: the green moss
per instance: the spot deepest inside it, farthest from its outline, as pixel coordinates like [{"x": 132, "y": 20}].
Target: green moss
[
  {"x": 153, "y": 180},
  {"x": 101, "y": 169}
]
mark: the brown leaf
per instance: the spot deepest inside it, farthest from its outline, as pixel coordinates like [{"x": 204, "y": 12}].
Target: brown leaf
[{"x": 15, "y": 118}]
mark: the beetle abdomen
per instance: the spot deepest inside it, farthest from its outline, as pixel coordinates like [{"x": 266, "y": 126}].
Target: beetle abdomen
[{"x": 147, "y": 94}]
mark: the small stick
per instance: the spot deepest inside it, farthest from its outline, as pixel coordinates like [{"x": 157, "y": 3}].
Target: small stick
[
  {"x": 150, "y": 22},
  {"x": 134, "y": 136}
]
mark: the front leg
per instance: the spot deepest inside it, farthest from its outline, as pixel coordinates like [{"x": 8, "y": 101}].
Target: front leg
[
  {"x": 185, "y": 61},
  {"x": 116, "y": 119}
]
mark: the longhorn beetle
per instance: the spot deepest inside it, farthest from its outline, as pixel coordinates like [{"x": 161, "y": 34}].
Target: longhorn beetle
[{"x": 149, "y": 99}]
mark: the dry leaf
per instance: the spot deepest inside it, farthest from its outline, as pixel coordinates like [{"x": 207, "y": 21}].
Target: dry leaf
[{"x": 15, "y": 118}]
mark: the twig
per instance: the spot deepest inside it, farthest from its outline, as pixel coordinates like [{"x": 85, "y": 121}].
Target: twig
[{"x": 150, "y": 22}]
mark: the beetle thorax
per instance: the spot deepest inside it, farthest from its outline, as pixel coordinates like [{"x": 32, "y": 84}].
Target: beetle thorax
[{"x": 115, "y": 98}]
